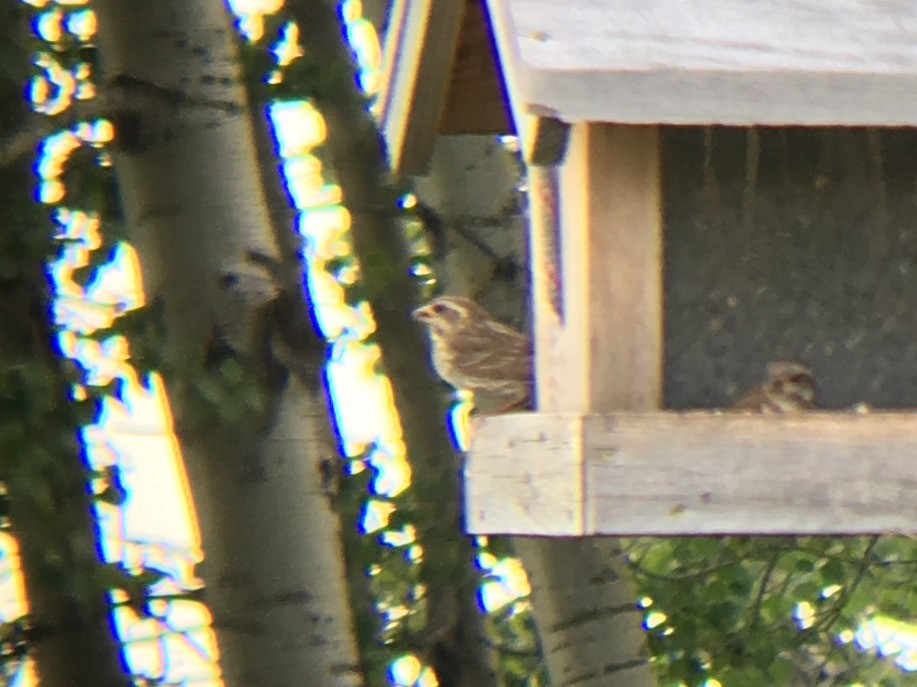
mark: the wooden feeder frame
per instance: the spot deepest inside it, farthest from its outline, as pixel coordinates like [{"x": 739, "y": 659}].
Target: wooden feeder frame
[{"x": 588, "y": 85}]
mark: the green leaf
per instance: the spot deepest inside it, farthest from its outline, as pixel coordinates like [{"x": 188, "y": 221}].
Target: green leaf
[
  {"x": 833, "y": 572},
  {"x": 781, "y": 671},
  {"x": 82, "y": 276},
  {"x": 112, "y": 576},
  {"x": 148, "y": 576},
  {"x": 745, "y": 677},
  {"x": 807, "y": 591},
  {"x": 86, "y": 412},
  {"x": 805, "y": 565}
]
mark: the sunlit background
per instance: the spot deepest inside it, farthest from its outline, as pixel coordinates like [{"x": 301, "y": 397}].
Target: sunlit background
[{"x": 155, "y": 526}]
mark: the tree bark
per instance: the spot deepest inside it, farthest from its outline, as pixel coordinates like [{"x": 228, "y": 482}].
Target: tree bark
[
  {"x": 585, "y": 611},
  {"x": 358, "y": 159},
  {"x": 69, "y": 632},
  {"x": 189, "y": 182}
]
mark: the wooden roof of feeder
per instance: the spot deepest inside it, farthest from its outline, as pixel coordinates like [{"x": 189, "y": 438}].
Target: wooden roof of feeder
[
  {"x": 587, "y": 83},
  {"x": 440, "y": 76},
  {"x": 802, "y": 62}
]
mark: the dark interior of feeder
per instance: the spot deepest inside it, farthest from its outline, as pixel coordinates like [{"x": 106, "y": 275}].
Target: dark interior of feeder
[{"x": 794, "y": 243}]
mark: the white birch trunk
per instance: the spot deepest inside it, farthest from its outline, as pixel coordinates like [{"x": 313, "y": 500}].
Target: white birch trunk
[{"x": 190, "y": 186}]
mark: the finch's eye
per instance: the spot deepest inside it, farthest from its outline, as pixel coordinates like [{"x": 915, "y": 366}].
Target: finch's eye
[{"x": 438, "y": 309}]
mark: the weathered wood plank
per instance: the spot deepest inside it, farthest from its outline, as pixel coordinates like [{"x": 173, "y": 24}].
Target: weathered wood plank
[
  {"x": 500, "y": 488},
  {"x": 538, "y": 132},
  {"x": 729, "y": 62},
  {"x": 695, "y": 473},
  {"x": 418, "y": 54},
  {"x": 598, "y": 312},
  {"x": 475, "y": 103}
]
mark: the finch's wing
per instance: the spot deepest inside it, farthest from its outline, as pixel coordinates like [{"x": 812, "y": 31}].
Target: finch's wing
[{"x": 494, "y": 352}]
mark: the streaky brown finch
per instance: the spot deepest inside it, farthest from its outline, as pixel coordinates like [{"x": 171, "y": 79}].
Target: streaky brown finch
[
  {"x": 473, "y": 351},
  {"x": 788, "y": 387}
]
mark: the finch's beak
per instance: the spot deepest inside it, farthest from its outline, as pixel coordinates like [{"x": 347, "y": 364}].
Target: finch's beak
[{"x": 421, "y": 314}]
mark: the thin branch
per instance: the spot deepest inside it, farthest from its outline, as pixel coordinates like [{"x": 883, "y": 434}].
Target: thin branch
[{"x": 765, "y": 579}]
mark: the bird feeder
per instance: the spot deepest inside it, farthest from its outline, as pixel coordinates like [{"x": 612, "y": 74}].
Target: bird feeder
[{"x": 589, "y": 85}]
